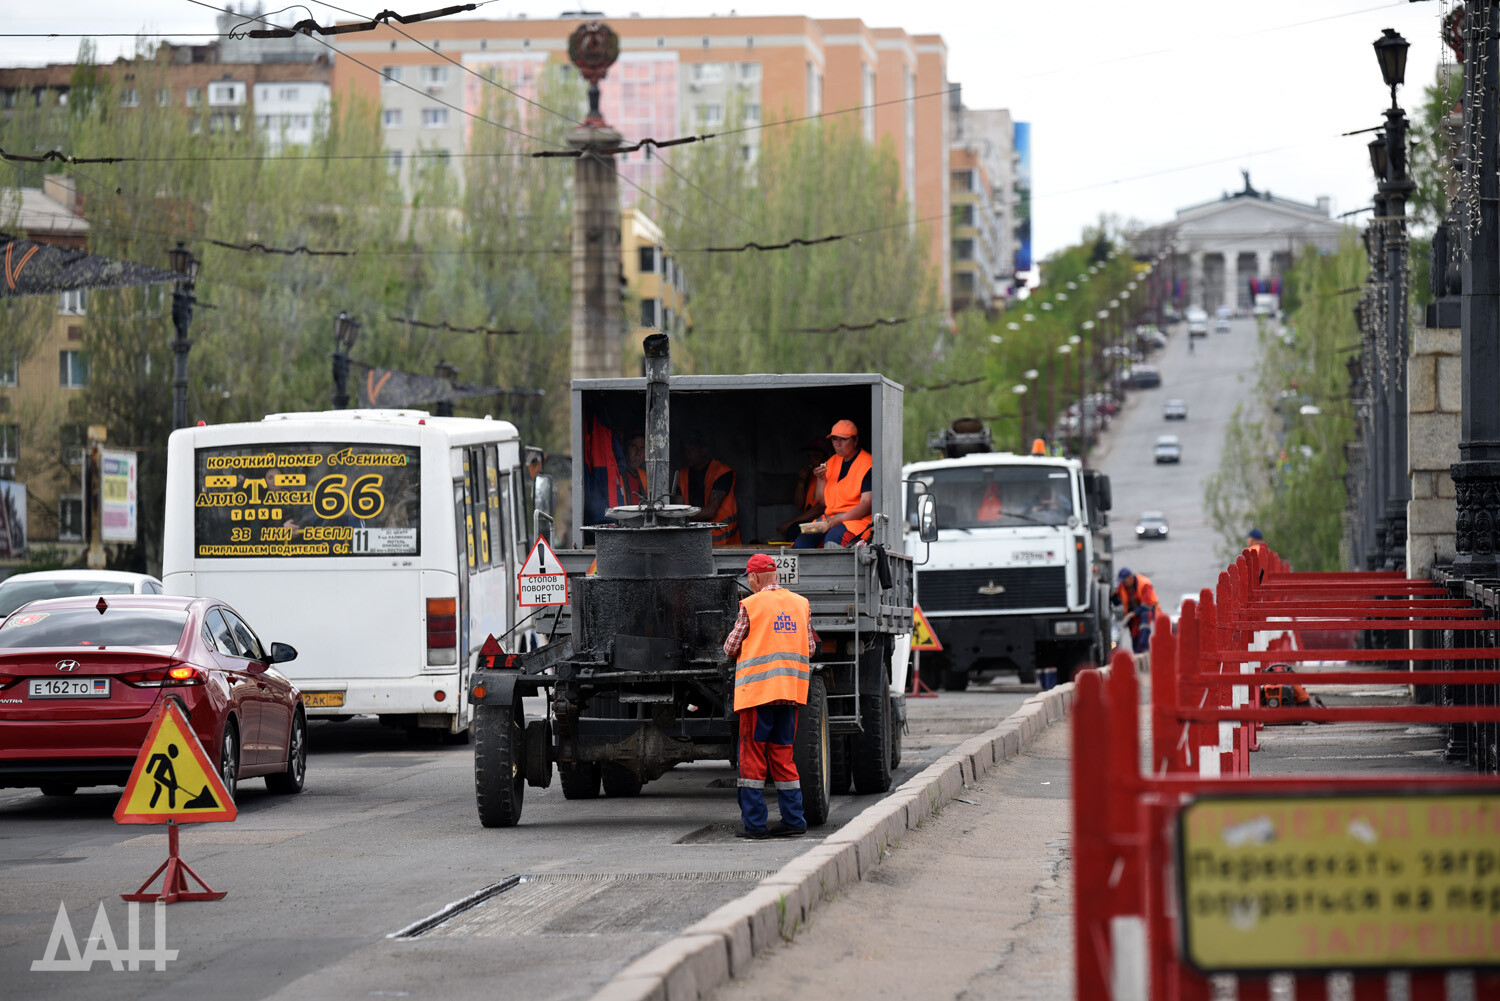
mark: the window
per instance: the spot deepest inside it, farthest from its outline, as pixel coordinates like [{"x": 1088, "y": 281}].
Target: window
[
  {"x": 433, "y": 74},
  {"x": 749, "y": 72},
  {"x": 70, "y": 519},
  {"x": 391, "y": 118},
  {"x": 10, "y": 448},
  {"x": 710, "y": 114},
  {"x": 964, "y": 215},
  {"x": 223, "y": 634},
  {"x": 963, "y": 250},
  {"x": 302, "y": 121},
  {"x": 73, "y": 440},
  {"x": 247, "y": 639},
  {"x": 962, "y": 180},
  {"x": 73, "y": 369},
  {"x": 289, "y": 93},
  {"x": 393, "y": 161},
  {"x": 747, "y": 155},
  {"x": 648, "y": 313},
  {"x": 226, "y": 93},
  {"x": 193, "y": 97},
  {"x": 669, "y": 270},
  {"x": 10, "y": 371},
  {"x": 264, "y": 122},
  {"x": 752, "y": 113},
  {"x": 163, "y": 97},
  {"x": 666, "y": 318},
  {"x": 434, "y": 118},
  {"x": 130, "y": 98},
  {"x": 648, "y": 260},
  {"x": 392, "y": 74},
  {"x": 74, "y": 302},
  {"x": 62, "y": 98},
  {"x": 7, "y": 98},
  {"x": 963, "y": 281},
  {"x": 708, "y": 72}
]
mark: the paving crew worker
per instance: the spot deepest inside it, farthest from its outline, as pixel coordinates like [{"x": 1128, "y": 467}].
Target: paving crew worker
[
  {"x": 634, "y": 470},
  {"x": 708, "y": 485},
  {"x": 805, "y": 495},
  {"x": 1255, "y": 540},
  {"x": 845, "y": 482},
  {"x": 1136, "y": 595},
  {"x": 772, "y": 643}
]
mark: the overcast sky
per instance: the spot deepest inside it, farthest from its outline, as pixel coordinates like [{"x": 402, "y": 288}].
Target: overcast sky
[{"x": 1186, "y": 91}]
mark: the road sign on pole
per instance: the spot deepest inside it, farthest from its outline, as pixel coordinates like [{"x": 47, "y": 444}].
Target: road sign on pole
[
  {"x": 542, "y": 580},
  {"x": 922, "y": 636}
]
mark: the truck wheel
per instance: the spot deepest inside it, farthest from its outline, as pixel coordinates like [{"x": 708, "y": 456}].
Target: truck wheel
[
  {"x": 619, "y": 780},
  {"x": 872, "y": 748},
  {"x": 499, "y": 779},
  {"x": 839, "y": 775},
  {"x": 955, "y": 681},
  {"x": 811, "y": 753},
  {"x": 579, "y": 781}
]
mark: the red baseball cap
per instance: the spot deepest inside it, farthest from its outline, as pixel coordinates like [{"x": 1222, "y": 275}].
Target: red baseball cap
[
  {"x": 844, "y": 429},
  {"x": 760, "y": 563}
]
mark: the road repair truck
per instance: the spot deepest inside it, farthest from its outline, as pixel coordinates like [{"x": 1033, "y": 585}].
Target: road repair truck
[
  {"x": 1018, "y": 578},
  {"x": 635, "y": 678}
]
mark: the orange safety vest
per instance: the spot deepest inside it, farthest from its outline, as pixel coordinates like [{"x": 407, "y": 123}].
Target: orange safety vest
[
  {"x": 773, "y": 665},
  {"x": 1145, "y": 594},
  {"x": 728, "y": 512},
  {"x": 840, "y": 495},
  {"x": 990, "y": 507},
  {"x": 635, "y": 487}
]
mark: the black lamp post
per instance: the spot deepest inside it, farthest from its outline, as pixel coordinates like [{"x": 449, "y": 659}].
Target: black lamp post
[
  {"x": 185, "y": 264},
  {"x": 345, "y": 333}
]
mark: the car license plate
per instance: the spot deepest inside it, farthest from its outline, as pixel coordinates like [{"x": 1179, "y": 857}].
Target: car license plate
[
  {"x": 69, "y": 688},
  {"x": 786, "y": 568},
  {"x": 323, "y": 700}
]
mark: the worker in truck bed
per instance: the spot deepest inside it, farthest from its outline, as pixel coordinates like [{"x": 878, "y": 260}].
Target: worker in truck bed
[
  {"x": 805, "y": 495},
  {"x": 846, "y": 490},
  {"x": 708, "y": 485},
  {"x": 772, "y": 644}
]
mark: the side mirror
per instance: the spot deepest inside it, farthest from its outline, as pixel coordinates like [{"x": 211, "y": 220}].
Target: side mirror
[
  {"x": 544, "y": 496},
  {"x": 927, "y": 526},
  {"x": 282, "y": 652},
  {"x": 1106, "y": 497}
]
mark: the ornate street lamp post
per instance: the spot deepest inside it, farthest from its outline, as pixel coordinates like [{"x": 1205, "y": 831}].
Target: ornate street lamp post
[{"x": 345, "y": 333}]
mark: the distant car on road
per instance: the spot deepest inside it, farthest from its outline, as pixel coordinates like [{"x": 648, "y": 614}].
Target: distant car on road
[
  {"x": 1174, "y": 410},
  {"x": 1152, "y": 525},
  {"x": 1224, "y": 312},
  {"x": 1168, "y": 449},
  {"x": 1144, "y": 377},
  {"x": 20, "y": 588},
  {"x": 1197, "y": 328},
  {"x": 1221, "y": 325},
  {"x": 1195, "y": 314}
]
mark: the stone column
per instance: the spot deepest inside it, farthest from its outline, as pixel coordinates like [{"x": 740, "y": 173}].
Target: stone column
[
  {"x": 1232, "y": 278},
  {"x": 1196, "y": 294},
  {"x": 596, "y": 255}
]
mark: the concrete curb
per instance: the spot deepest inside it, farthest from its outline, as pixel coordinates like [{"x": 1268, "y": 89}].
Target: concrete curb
[{"x": 721, "y": 945}]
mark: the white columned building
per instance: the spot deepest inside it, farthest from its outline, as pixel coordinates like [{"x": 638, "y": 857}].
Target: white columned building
[{"x": 1266, "y": 230}]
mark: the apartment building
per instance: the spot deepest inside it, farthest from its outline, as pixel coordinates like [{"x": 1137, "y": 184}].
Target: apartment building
[
  {"x": 976, "y": 245},
  {"x": 990, "y": 134},
  {"x": 674, "y": 76},
  {"x": 656, "y": 294},
  {"x": 42, "y": 439}
]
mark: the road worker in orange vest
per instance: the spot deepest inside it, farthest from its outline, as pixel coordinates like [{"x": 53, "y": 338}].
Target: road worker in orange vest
[
  {"x": 1255, "y": 539},
  {"x": 634, "y": 470},
  {"x": 805, "y": 494},
  {"x": 1136, "y": 596},
  {"x": 846, "y": 491},
  {"x": 708, "y": 485},
  {"x": 772, "y": 644}
]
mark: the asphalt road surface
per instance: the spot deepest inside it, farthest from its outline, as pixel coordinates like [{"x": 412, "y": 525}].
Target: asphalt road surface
[
  {"x": 384, "y": 836},
  {"x": 1212, "y": 379}
]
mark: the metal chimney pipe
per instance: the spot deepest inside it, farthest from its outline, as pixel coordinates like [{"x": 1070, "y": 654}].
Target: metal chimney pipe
[{"x": 658, "y": 420}]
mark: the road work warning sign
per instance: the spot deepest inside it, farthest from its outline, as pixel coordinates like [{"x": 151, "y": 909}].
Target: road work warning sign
[
  {"x": 922, "y": 636},
  {"x": 1343, "y": 882},
  {"x": 173, "y": 778},
  {"x": 542, "y": 580}
]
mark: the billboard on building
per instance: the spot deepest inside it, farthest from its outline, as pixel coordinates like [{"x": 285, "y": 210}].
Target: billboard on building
[
  {"x": 1023, "y": 196},
  {"x": 12, "y": 520},
  {"x": 117, "y": 495}
]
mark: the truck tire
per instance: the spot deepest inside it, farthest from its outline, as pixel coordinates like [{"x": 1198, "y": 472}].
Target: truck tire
[
  {"x": 839, "y": 775},
  {"x": 811, "y": 753},
  {"x": 955, "y": 681},
  {"x": 499, "y": 779},
  {"x": 872, "y": 748},
  {"x": 579, "y": 781},
  {"x": 619, "y": 780}
]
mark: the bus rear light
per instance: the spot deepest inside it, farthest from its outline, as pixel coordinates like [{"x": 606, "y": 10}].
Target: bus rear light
[
  {"x": 441, "y": 623},
  {"x": 442, "y": 641},
  {"x": 439, "y": 695},
  {"x": 442, "y": 606}
]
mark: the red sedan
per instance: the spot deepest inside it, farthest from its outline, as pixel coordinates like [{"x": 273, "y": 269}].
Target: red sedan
[{"x": 81, "y": 680}]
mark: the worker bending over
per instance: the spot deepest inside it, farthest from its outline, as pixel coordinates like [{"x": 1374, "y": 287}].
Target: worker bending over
[{"x": 1136, "y": 596}]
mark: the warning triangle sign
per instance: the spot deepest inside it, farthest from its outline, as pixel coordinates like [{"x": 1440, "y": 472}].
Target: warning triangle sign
[
  {"x": 173, "y": 778},
  {"x": 541, "y": 560},
  {"x": 922, "y": 636}
]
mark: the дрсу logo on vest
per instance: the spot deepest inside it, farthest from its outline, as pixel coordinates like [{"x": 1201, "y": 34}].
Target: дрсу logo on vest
[{"x": 784, "y": 624}]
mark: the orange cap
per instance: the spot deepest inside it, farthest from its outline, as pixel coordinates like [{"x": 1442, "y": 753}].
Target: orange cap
[
  {"x": 1038, "y": 447},
  {"x": 844, "y": 429}
]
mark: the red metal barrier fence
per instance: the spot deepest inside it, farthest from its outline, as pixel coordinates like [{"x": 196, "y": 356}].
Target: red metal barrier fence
[{"x": 1196, "y": 871}]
